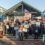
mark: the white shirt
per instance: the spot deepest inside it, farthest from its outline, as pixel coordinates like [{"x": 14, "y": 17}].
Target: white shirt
[
  {"x": 26, "y": 26},
  {"x": 24, "y": 30},
  {"x": 37, "y": 23},
  {"x": 7, "y": 26}
]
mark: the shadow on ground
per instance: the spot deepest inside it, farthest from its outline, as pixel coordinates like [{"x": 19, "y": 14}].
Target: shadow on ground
[
  {"x": 30, "y": 42},
  {"x": 4, "y": 43}
]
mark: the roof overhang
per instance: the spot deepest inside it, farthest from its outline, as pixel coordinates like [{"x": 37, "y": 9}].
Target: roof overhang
[{"x": 12, "y": 9}]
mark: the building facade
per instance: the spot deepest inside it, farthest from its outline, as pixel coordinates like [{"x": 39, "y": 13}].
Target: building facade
[{"x": 19, "y": 10}]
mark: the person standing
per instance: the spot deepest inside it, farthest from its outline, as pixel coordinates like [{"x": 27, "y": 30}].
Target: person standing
[
  {"x": 21, "y": 32},
  {"x": 26, "y": 26},
  {"x": 37, "y": 31},
  {"x": 16, "y": 28},
  {"x": 7, "y": 28}
]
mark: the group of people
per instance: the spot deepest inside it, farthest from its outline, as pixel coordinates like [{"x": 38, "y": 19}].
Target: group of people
[{"x": 24, "y": 29}]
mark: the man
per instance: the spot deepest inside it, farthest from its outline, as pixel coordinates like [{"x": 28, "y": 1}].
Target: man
[{"x": 37, "y": 30}]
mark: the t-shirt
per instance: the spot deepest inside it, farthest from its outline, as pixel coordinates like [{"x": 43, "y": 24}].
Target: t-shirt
[{"x": 12, "y": 25}]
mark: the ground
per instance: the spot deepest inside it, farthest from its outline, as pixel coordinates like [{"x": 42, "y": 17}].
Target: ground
[{"x": 8, "y": 41}]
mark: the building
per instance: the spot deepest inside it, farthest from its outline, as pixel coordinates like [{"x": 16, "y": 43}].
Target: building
[
  {"x": 2, "y": 11},
  {"x": 18, "y": 11}
]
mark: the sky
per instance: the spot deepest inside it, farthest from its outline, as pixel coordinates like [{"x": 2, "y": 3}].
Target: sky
[{"x": 38, "y": 4}]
